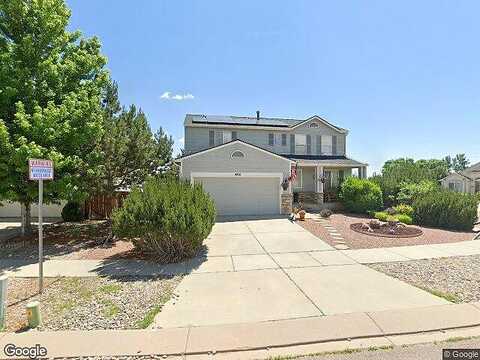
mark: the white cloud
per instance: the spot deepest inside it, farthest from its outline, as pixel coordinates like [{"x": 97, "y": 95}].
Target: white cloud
[
  {"x": 167, "y": 95},
  {"x": 181, "y": 141}
]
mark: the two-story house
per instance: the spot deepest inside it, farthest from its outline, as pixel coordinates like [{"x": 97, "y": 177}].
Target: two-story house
[{"x": 258, "y": 165}]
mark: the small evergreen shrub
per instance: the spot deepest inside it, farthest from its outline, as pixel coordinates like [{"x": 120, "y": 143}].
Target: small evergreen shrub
[
  {"x": 381, "y": 215},
  {"x": 168, "y": 219},
  {"x": 72, "y": 211},
  {"x": 360, "y": 195},
  {"x": 404, "y": 209},
  {"x": 446, "y": 209},
  {"x": 405, "y": 219}
]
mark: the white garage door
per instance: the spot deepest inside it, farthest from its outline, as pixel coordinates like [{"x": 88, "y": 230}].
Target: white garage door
[{"x": 243, "y": 195}]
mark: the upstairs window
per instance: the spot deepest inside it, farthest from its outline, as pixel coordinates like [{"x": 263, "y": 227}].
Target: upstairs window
[
  {"x": 227, "y": 136},
  {"x": 300, "y": 143},
  {"x": 313, "y": 125},
  {"x": 327, "y": 146},
  {"x": 271, "y": 139},
  {"x": 211, "y": 138}
]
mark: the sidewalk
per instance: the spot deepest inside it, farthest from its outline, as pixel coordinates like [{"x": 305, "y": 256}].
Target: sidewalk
[
  {"x": 264, "y": 339},
  {"x": 87, "y": 268}
]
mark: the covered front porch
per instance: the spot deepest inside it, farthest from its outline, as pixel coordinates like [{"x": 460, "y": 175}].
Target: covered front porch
[{"x": 317, "y": 183}]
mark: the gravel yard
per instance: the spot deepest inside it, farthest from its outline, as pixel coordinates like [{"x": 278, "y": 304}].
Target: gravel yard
[
  {"x": 455, "y": 278},
  {"x": 90, "y": 303},
  {"x": 355, "y": 240}
]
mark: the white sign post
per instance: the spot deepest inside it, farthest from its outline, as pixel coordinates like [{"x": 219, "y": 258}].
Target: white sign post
[{"x": 40, "y": 170}]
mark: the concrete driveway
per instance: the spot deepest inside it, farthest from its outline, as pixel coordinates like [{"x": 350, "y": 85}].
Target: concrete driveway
[{"x": 273, "y": 269}]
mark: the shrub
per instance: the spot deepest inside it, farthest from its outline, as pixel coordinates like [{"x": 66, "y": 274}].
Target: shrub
[
  {"x": 381, "y": 215},
  {"x": 360, "y": 195},
  {"x": 325, "y": 213},
  {"x": 168, "y": 218},
  {"x": 409, "y": 192},
  {"x": 72, "y": 211},
  {"x": 405, "y": 219},
  {"x": 446, "y": 209},
  {"x": 404, "y": 209}
]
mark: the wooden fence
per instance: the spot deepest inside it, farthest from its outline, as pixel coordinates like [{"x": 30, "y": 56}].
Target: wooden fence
[{"x": 102, "y": 206}]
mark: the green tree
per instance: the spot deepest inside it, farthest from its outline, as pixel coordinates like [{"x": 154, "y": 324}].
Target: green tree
[
  {"x": 400, "y": 172},
  {"x": 50, "y": 91},
  {"x": 460, "y": 162},
  {"x": 130, "y": 151}
]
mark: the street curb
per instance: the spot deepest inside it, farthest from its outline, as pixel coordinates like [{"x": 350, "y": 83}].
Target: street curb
[{"x": 241, "y": 338}]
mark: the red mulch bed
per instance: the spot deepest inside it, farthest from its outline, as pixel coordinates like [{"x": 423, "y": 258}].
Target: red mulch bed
[
  {"x": 355, "y": 240},
  {"x": 72, "y": 241},
  {"x": 385, "y": 231}
]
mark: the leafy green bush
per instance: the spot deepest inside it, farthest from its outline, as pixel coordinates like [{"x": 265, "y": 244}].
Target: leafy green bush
[
  {"x": 409, "y": 192},
  {"x": 403, "y": 218},
  {"x": 168, "y": 218},
  {"x": 381, "y": 215},
  {"x": 360, "y": 195},
  {"x": 446, "y": 209},
  {"x": 72, "y": 211},
  {"x": 404, "y": 209}
]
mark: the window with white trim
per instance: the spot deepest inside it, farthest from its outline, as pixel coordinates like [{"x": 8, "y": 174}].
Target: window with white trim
[
  {"x": 237, "y": 154},
  {"x": 284, "y": 139},
  {"x": 227, "y": 136},
  {"x": 455, "y": 186},
  {"x": 271, "y": 139},
  {"x": 313, "y": 125},
  {"x": 300, "y": 144},
  {"x": 327, "y": 144}
]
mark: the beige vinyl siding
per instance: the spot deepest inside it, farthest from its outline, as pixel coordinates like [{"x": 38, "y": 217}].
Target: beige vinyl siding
[
  {"x": 220, "y": 160},
  {"x": 197, "y": 138}
]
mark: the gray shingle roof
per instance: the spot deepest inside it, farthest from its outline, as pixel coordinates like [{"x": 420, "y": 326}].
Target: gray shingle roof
[{"x": 249, "y": 121}]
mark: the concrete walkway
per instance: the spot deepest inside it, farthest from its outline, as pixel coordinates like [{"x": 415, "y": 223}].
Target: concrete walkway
[{"x": 265, "y": 339}]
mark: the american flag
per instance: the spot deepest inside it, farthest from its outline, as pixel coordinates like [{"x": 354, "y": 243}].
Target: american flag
[{"x": 293, "y": 173}]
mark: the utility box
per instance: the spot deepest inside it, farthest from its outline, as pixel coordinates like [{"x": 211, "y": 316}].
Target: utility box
[{"x": 33, "y": 314}]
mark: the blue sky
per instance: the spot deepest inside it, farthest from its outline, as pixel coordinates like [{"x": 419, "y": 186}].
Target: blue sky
[{"x": 403, "y": 77}]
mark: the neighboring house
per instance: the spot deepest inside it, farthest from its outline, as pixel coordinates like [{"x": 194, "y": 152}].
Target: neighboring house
[
  {"x": 244, "y": 161},
  {"x": 466, "y": 181},
  {"x": 14, "y": 210}
]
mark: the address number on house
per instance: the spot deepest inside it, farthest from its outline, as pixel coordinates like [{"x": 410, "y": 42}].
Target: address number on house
[{"x": 238, "y": 174}]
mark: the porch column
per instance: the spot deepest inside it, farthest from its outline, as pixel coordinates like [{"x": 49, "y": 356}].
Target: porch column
[{"x": 319, "y": 184}]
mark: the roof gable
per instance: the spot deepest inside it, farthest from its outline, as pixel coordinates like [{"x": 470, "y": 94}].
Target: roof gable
[
  {"x": 321, "y": 120},
  {"x": 221, "y": 146}
]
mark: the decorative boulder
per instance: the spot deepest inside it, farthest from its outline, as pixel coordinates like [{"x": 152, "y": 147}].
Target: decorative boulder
[
  {"x": 365, "y": 227},
  {"x": 374, "y": 224},
  {"x": 325, "y": 213}
]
